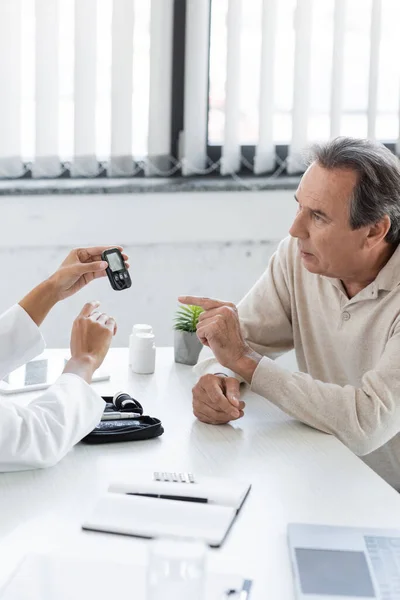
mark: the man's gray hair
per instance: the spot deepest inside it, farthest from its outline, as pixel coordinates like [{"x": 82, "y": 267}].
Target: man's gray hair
[{"x": 377, "y": 191}]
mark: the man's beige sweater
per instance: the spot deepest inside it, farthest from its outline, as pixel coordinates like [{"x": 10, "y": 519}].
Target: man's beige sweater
[{"x": 348, "y": 353}]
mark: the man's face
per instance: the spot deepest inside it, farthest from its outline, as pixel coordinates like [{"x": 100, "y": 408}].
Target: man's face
[{"x": 327, "y": 244}]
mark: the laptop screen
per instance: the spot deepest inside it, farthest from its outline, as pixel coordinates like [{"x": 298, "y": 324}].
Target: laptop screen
[{"x": 334, "y": 573}]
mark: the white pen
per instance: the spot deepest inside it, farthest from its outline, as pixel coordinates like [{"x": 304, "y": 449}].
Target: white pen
[
  {"x": 245, "y": 591},
  {"x": 242, "y": 594},
  {"x": 113, "y": 416}
]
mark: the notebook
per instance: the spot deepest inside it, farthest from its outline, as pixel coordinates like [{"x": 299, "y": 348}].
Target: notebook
[{"x": 203, "y": 510}]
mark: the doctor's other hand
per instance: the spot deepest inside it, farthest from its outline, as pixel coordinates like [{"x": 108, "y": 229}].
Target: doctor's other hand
[
  {"x": 81, "y": 266},
  {"x": 216, "y": 399},
  {"x": 91, "y": 337}
]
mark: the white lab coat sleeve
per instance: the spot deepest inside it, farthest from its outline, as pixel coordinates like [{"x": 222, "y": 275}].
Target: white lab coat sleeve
[
  {"x": 40, "y": 434},
  {"x": 20, "y": 340}
]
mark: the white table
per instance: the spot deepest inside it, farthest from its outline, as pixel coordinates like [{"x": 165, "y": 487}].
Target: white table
[{"x": 297, "y": 474}]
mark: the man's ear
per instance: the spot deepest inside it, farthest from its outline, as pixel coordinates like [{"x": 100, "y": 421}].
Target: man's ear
[{"x": 378, "y": 232}]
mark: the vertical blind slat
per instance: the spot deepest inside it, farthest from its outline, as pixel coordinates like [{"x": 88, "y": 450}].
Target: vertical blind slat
[
  {"x": 196, "y": 87},
  {"x": 121, "y": 160},
  {"x": 159, "y": 133},
  {"x": 85, "y": 163},
  {"x": 264, "y": 159},
  {"x": 230, "y": 159},
  {"x": 47, "y": 162},
  {"x": 10, "y": 86},
  {"x": 398, "y": 138},
  {"x": 339, "y": 30},
  {"x": 302, "y": 59},
  {"x": 376, "y": 18}
]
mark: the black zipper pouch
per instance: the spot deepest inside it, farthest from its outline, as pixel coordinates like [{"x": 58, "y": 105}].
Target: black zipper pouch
[{"x": 140, "y": 428}]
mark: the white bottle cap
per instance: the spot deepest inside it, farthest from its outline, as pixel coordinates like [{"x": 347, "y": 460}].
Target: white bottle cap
[
  {"x": 145, "y": 338},
  {"x": 142, "y": 328}
]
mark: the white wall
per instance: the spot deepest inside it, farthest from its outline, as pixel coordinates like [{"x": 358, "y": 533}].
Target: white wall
[{"x": 214, "y": 244}]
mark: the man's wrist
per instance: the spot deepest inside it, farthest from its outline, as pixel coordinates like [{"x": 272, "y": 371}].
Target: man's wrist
[{"x": 247, "y": 364}]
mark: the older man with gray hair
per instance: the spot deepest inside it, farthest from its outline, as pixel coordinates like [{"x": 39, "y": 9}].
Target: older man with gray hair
[{"x": 331, "y": 292}]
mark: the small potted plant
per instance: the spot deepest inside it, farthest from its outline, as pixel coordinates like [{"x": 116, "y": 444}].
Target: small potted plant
[{"x": 187, "y": 345}]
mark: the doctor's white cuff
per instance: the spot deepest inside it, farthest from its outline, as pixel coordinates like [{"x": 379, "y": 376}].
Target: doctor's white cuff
[{"x": 20, "y": 339}]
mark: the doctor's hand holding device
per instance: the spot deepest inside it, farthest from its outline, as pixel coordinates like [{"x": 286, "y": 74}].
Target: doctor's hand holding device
[
  {"x": 117, "y": 269},
  {"x": 81, "y": 266},
  {"x": 92, "y": 330},
  {"x": 70, "y": 409}
]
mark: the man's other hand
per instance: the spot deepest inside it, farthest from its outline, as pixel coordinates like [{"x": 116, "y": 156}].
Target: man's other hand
[{"x": 216, "y": 399}]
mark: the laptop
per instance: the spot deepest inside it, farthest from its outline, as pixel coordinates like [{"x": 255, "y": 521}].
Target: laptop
[{"x": 344, "y": 563}]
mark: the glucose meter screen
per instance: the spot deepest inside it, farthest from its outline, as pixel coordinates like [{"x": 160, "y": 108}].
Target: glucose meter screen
[{"x": 115, "y": 262}]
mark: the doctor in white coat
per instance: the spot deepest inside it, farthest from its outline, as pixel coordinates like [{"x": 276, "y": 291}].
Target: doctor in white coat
[{"x": 41, "y": 433}]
